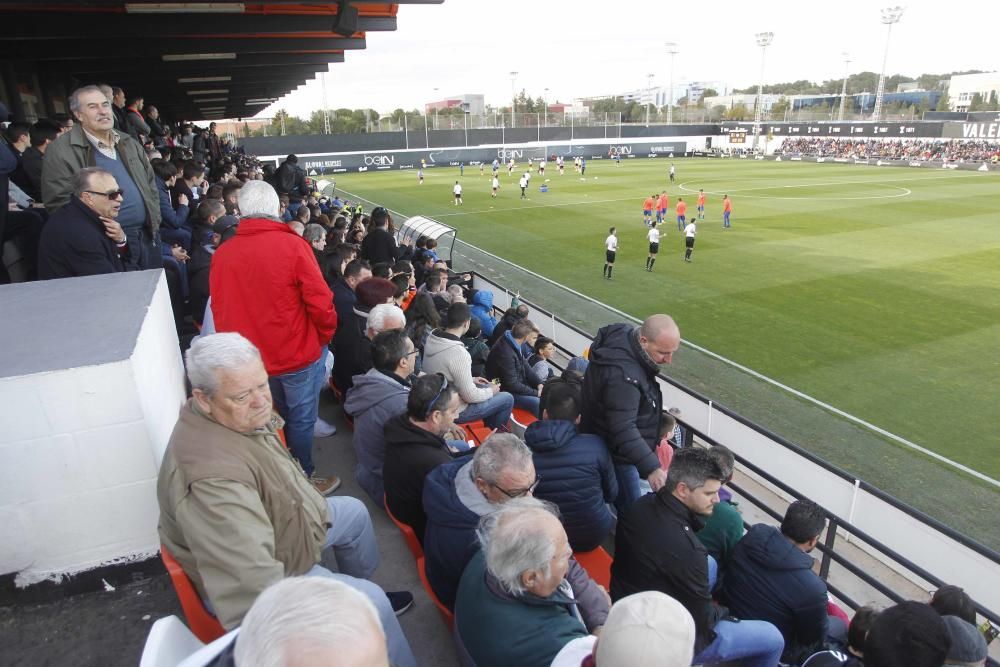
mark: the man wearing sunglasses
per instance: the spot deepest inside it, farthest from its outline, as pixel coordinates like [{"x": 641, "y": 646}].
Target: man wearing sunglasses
[{"x": 84, "y": 238}]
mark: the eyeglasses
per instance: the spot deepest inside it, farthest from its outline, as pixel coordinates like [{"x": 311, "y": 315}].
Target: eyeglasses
[
  {"x": 430, "y": 406},
  {"x": 110, "y": 194},
  {"x": 521, "y": 493}
]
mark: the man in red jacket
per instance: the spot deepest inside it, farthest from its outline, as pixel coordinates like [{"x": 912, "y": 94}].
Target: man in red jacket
[{"x": 266, "y": 285}]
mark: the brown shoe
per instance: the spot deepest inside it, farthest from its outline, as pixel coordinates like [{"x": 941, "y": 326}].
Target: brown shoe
[{"x": 325, "y": 485}]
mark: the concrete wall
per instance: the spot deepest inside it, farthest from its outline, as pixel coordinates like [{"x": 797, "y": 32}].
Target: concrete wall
[{"x": 81, "y": 442}]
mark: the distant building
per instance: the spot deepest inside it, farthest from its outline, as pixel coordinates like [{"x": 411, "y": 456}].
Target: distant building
[
  {"x": 474, "y": 104},
  {"x": 747, "y": 99},
  {"x": 963, "y": 87}
]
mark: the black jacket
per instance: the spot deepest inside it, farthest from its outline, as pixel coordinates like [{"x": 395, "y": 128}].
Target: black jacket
[
  {"x": 74, "y": 243},
  {"x": 410, "y": 453},
  {"x": 344, "y": 299},
  {"x": 29, "y": 173},
  {"x": 505, "y": 324},
  {"x": 621, "y": 399},
  {"x": 656, "y": 550},
  {"x": 506, "y": 363},
  {"x": 353, "y": 350},
  {"x": 379, "y": 246},
  {"x": 199, "y": 268},
  {"x": 290, "y": 179},
  {"x": 770, "y": 579}
]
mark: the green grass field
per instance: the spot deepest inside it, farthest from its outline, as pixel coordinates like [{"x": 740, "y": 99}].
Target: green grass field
[{"x": 871, "y": 289}]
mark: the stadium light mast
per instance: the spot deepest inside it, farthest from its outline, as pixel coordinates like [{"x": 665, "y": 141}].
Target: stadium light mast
[
  {"x": 326, "y": 105},
  {"x": 764, "y": 40},
  {"x": 545, "y": 108},
  {"x": 672, "y": 51},
  {"x": 843, "y": 90},
  {"x": 890, "y": 15},
  {"x": 649, "y": 92},
  {"x": 513, "y": 97},
  {"x": 436, "y": 107}
]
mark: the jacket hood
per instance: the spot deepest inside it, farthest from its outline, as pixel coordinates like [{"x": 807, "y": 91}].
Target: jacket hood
[
  {"x": 371, "y": 389},
  {"x": 483, "y": 298},
  {"x": 400, "y": 429},
  {"x": 548, "y": 435},
  {"x": 436, "y": 345},
  {"x": 617, "y": 344},
  {"x": 767, "y": 547},
  {"x": 441, "y": 497}
]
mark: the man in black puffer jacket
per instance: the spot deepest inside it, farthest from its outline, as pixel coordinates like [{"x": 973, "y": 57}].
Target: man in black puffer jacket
[{"x": 622, "y": 401}]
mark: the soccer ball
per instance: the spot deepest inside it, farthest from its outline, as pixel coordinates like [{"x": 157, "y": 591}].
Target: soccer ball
[{"x": 548, "y": 180}]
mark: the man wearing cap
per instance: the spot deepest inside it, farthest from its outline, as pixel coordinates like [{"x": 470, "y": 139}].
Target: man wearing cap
[
  {"x": 968, "y": 646},
  {"x": 83, "y": 238},
  {"x": 379, "y": 245}
]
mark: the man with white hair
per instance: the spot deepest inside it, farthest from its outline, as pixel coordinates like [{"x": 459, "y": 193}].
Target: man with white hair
[
  {"x": 265, "y": 284},
  {"x": 236, "y": 510},
  {"x": 458, "y": 494},
  {"x": 515, "y": 605}
]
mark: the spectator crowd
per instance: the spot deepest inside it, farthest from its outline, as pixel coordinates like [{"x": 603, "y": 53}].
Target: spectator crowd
[
  {"x": 923, "y": 150},
  {"x": 291, "y": 291}
]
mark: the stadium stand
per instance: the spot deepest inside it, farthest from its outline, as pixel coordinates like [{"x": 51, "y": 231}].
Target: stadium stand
[{"x": 953, "y": 150}]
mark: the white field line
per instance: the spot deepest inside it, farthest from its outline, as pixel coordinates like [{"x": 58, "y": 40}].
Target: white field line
[{"x": 795, "y": 392}]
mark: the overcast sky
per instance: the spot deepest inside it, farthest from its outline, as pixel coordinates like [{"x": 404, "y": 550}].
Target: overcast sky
[{"x": 590, "y": 47}]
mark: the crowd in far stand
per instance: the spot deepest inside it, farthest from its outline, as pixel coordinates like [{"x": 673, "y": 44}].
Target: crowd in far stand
[
  {"x": 294, "y": 291},
  {"x": 947, "y": 150}
]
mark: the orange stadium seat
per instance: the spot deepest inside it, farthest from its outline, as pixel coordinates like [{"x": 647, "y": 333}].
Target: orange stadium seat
[
  {"x": 597, "y": 563},
  {"x": 449, "y": 617},
  {"x": 411, "y": 537},
  {"x": 202, "y": 622}
]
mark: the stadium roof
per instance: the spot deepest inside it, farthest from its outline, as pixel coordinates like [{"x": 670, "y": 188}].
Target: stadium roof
[{"x": 193, "y": 60}]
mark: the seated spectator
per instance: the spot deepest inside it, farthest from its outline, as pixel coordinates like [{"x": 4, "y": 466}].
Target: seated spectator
[
  {"x": 83, "y": 238},
  {"x": 770, "y": 578},
  {"x": 422, "y": 317},
  {"x": 655, "y": 550},
  {"x": 444, "y": 353},
  {"x": 952, "y": 600},
  {"x": 854, "y": 656},
  {"x": 379, "y": 245},
  {"x": 575, "y": 469},
  {"x": 422, "y": 268},
  {"x": 415, "y": 444},
  {"x": 382, "y": 270},
  {"x": 968, "y": 646},
  {"x": 376, "y": 397},
  {"x": 481, "y": 304},
  {"x": 543, "y": 349},
  {"x": 28, "y": 175},
  {"x": 302, "y": 620},
  {"x": 230, "y": 198},
  {"x": 457, "y": 494},
  {"x": 316, "y": 236},
  {"x": 643, "y": 630},
  {"x": 909, "y": 634},
  {"x": 226, "y": 466},
  {"x": 188, "y": 183},
  {"x": 344, "y": 296},
  {"x": 353, "y": 345},
  {"x": 511, "y": 316},
  {"x": 436, "y": 286},
  {"x": 516, "y": 603},
  {"x": 174, "y": 227},
  {"x": 507, "y": 364},
  {"x": 477, "y": 348},
  {"x": 723, "y": 529}
]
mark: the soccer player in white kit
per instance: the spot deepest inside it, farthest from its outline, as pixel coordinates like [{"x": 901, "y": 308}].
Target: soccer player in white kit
[
  {"x": 458, "y": 193},
  {"x": 524, "y": 186},
  {"x": 654, "y": 246},
  {"x": 689, "y": 233},
  {"x": 496, "y": 185},
  {"x": 611, "y": 247}
]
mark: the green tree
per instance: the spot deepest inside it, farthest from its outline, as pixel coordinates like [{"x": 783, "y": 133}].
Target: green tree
[
  {"x": 710, "y": 92},
  {"x": 977, "y": 103},
  {"x": 779, "y": 108},
  {"x": 944, "y": 104},
  {"x": 737, "y": 112},
  {"x": 994, "y": 103}
]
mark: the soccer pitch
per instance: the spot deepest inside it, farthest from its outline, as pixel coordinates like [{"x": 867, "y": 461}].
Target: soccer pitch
[{"x": 871, "y": 289}]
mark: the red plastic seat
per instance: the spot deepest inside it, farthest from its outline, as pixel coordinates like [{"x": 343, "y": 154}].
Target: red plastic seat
[
  {"x": 477, "y": 431},
  {"x": 449, "y": 617},
  {"x": 523, "y": 417},
  {"x": 202, "y": 622},
  {"x": 597, "y": 563},
  {"x": 408, "y": 534}
]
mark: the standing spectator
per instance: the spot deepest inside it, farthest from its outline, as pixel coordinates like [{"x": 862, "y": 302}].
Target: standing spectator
[
  {"x": 200, "y": 146},
  {"x": 302, "y": 320},
  {"x": 157, "y": 133},
  {"x": 214, "y": 144},
  {"x": 135, "y": 124},
  {"x": 379, "y": 245},
  {"x": 291, "y": 180},
  {"x": 770, "y": 578},
  {"x": 655, "y": 549},
  {"x": 622, "y": 400},
  {"x": 94, "y": 142},
  {"x": 575, "y": 469},
  {"x": 117, "y": 99},
  {"x": 174, "y": 227},
  {"x": 83, "y": 238}
]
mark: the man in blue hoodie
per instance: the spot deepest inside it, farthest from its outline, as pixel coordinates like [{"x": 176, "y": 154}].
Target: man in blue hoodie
[{"x": 770, "y": 578}]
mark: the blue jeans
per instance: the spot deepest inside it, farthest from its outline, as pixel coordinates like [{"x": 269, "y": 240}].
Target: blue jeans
[
  {"x": 628, "y": 487},
  {"x": 527, "y": 402},
  {"x": 495, "y": 412},
  {"x": 296, "y": 398},
  {"x": 752, "y": 643},
  {"x": 352, "y": 539}
]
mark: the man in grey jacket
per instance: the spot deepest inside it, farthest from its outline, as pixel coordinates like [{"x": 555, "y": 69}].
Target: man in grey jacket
[{"x": 93, "y": 142}]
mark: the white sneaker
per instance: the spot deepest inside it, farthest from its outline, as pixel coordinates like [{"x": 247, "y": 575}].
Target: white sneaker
[{"x": 323, "y": 429}]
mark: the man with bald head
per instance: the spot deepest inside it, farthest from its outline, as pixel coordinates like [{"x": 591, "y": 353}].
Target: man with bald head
[{"x": 622, "y": 401}]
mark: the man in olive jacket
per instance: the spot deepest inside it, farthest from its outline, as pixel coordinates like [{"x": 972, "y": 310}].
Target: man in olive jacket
[
  {"x": 93, "y": 142},
  {"x": 237, "y": 511}
]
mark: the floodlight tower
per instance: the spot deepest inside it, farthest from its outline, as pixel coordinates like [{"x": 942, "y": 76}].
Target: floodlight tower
[
  {"x": 545, "y": 108},
  {"x": 672, "y": 51},
  {"x": 890, "y": 15},
  {"x": 436, "y": 107},
  {"x": 843, "y": 90},
  {"x": 649, "y": 92},
  {"x": 513, "y": 97},
  {"x": 326, "y": 105},
  {"x": 764, "y": 40}
]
